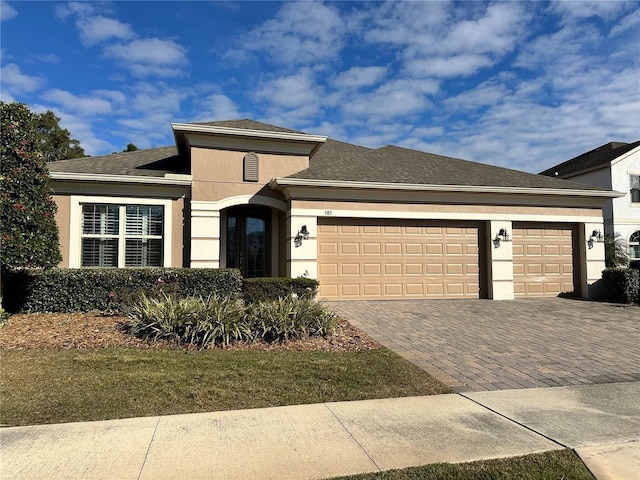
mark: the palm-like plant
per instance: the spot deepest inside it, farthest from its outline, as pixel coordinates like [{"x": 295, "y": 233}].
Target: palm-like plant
[{"x": 615, "y": 253}]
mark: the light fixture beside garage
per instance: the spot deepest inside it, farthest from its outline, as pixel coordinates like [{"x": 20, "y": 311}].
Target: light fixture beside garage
[
  {"x": 596, "y": 236},
  {"x": 303, "y": 234},
  {"x": 501, "y": 236}
]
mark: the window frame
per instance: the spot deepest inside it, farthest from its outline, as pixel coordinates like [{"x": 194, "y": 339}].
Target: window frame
[
  {"x": 631, "y": 189},
  {"x": 634, "y": 242},
  {"x": 76, "y": 234}
]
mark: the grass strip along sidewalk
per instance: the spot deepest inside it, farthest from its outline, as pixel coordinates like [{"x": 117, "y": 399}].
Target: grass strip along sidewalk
[{"x": 56, "y": 386}]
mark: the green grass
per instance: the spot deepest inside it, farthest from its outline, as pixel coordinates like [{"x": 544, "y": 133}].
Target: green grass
[
  {"x": 56, "y": 386},
  {"x": 554, "y": 465}
]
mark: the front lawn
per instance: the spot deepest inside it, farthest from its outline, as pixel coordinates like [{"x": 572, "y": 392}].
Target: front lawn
[
  {"x": 53, "y": 386},
  {"x": 554, "y": 465}
]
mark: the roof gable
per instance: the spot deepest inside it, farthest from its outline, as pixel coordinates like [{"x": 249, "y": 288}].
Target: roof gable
[{"x": 601, "y": 156}]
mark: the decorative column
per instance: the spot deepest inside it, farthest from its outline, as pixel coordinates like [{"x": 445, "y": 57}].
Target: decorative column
[
  {"x": 500, "y": 260},
  {"x": 205, "y": 235},
  {"x": 591, "y": 258}
]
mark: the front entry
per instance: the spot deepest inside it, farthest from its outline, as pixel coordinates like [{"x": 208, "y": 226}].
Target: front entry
[{"x": 248, "y": 240}]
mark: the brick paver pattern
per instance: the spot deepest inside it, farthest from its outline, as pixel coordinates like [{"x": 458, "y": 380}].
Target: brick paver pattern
[{"x": 475, "y": 345}]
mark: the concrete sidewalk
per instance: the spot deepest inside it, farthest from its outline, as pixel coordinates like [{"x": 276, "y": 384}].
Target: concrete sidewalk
[{"x": 332, "y": 439}]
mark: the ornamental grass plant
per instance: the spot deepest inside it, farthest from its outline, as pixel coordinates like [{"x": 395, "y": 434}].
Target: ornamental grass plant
[{"x": 218, "y": 321}]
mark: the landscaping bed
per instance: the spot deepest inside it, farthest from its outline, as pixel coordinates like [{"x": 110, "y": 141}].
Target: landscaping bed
[{"x": 44, "y": 331}]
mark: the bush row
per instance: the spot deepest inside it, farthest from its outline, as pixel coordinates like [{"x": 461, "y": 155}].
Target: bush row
[
  {"x": 272, "y": 288},
  {"x": 214, "y": 321},
  {"x": 621, "y": 285},
  {"x": 83, "y": 290}
]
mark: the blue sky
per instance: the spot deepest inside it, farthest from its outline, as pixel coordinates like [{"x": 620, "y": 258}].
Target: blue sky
[{"x": 523, "y": 85}]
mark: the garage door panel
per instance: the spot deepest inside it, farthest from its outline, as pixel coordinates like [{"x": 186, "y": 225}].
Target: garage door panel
[
  {"x": 397, "y": 259},
  {"x": 542, "y": 260}
]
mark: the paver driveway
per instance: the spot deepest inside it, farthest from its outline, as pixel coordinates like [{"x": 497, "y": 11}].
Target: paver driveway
[{"x": 474, "y": 345}]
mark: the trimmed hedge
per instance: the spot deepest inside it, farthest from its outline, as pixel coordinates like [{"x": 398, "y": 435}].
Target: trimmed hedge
[
  {"x": 621, "y": 285},
  {"x": 272, "y": 288},
  {"x": 84, "y": 290}
]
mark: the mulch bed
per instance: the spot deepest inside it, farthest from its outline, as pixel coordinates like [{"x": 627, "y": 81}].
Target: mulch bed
[{"x": 99, "y": 330}]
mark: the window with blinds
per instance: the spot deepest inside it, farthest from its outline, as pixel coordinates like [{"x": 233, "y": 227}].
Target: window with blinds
[
  {"x": 122, "y": 236},
  {"x": 635, "y": 188}
]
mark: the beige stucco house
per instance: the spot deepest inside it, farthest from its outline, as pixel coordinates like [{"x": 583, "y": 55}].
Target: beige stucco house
[
  {"x": 387, "y": 223},
  {"x": 612, "y": 166}
]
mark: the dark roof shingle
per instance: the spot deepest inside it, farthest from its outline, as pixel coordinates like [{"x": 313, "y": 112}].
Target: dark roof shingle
[
  {"x": 598, "y": 156},
  {"x": 345, "y": 162},
  {"x": 152, "y": 162}
]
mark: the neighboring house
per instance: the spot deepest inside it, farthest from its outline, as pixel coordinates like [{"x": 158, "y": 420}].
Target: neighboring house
[
  {"x": 613, "y": 166},
  {"x": 380, "y": 223}
]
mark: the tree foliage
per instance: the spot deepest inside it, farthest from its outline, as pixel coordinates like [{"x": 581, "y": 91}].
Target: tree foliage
[
  {"x": 131, "y": 147},
  {"x": 56, "y": 142},
  {"x": 29, "y": 235},
  {"x": 615, "y": 253}
]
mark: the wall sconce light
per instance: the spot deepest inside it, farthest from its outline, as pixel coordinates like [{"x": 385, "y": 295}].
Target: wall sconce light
[
  {"x": 501, "y": 236},
  {"x": 596, "y": 236},
  {"x": 303, "y": 234}
]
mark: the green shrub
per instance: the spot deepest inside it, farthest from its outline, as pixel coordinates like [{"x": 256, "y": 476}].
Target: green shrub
[
  {"x": 83, "y": 290},
  {"x": 290, "y": 317},
  {"x": 214, "y": 321},
  {"x": 271, "y": 288},
  {"x": 621, "y": 284},
  {"x": 190, "y": 320}
]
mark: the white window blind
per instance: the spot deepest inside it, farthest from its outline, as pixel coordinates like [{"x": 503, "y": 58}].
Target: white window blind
[
  {"x": 122, "y": 236},
  {"x": 635, "y": 188}
]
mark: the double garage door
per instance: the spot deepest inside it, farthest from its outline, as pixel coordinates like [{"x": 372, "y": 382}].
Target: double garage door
[
  {"x": 403, "y": 259},
  {"x": 360, "y": 259}
]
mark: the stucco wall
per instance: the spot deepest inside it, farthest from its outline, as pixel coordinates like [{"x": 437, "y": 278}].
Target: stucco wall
[
  {"x": 218, "y": 174},
  {"x": 62, "y": 219},
  {"x": 625, "y": 213}
]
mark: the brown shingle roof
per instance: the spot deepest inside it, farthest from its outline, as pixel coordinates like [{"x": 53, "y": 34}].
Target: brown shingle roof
[
  {"x": 598, "y": 156},
  {"x": 345, "y": 162},
  {"x": 334, "y": 160},
  {"x": 152, "y": 162}
]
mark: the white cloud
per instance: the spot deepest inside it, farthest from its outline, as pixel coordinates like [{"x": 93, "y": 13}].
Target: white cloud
[
  {"x": 629, "y": 22},
  {"x": 291, "y": 91},
  {"x": 394, "y": 98},
  {"x": 218, "y": 107},
  {"x": 150, "y": 56},
  {"x": 14, "y": 82},
  {"x": 357, "y": 77},
  {"x": 580, "y": 9},
  {"x": 97, "y": 29},
  {"x": 79, "y": 105},
  {"x": 453, "y": 66},
  {"x": 300, "y": 34},
  {"x": 7, "y": 12}
]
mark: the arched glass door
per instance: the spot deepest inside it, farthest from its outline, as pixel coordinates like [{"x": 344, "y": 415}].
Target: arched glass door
[{"x": 248, "y": 241}]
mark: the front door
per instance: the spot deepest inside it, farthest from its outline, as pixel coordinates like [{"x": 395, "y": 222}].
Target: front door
[{"x": 248, "y": 243}]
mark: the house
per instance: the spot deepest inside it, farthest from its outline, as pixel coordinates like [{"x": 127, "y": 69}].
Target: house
[
  {"x": 386, "y": 223},
  {"x": 613, "y": 166}
]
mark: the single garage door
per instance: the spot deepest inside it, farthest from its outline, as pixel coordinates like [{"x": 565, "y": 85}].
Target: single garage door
[
  {"x": 542, "y": 260},
  {"x": 385, "y": 259}
]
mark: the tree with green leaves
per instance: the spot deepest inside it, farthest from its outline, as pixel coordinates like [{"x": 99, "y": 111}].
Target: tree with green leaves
[
  {"x": 56, "y": 142},
  {"x": 29, "y": 233},
  {"x": 131, "y": 147}
]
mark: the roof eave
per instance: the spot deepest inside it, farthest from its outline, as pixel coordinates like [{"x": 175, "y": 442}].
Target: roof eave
[
  {"x": 181, "y": 129},
  {"x": 168, "y": 179},
  {"x": 283, "y": 182}
]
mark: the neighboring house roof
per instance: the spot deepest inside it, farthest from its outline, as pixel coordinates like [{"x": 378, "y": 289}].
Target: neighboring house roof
[
  {"x": 333, "y": 161},
  {"x": 602, "y": 155}
]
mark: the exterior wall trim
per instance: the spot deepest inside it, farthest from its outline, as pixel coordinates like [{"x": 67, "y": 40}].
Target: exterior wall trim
[
  {"x": 281, "y": 183},
  {"x": 170, "y": 179},
  {"x": 239, "y": 200}
]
